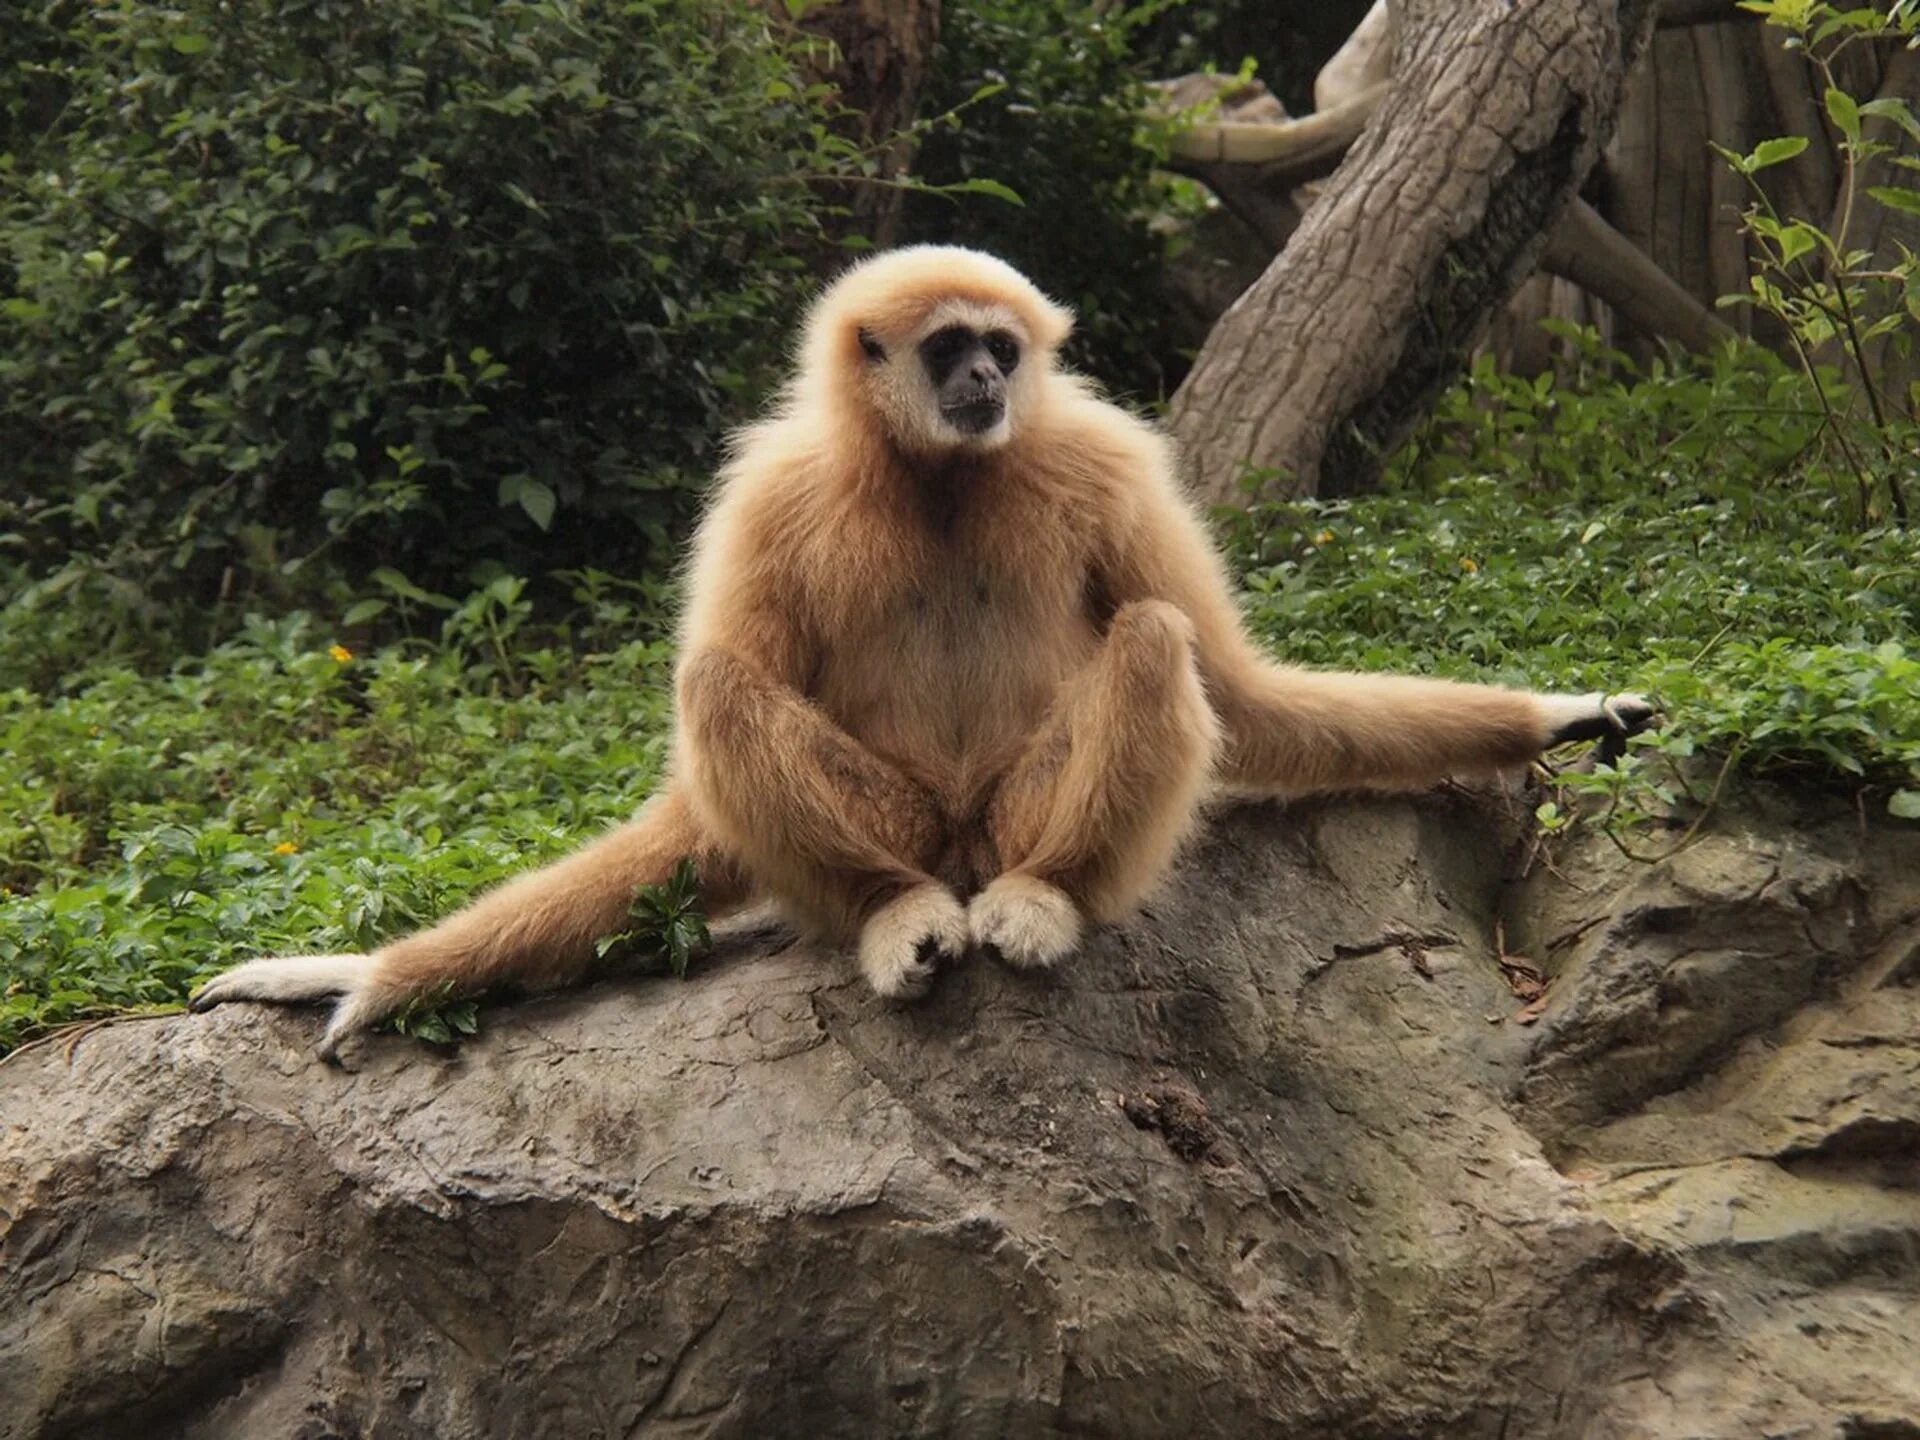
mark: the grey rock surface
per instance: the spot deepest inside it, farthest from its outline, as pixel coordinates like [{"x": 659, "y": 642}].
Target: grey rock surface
[{"x": 1278, "y": 1158}]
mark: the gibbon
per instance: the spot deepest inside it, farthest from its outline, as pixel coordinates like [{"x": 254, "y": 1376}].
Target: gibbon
[{"x": 958, "y": 665}]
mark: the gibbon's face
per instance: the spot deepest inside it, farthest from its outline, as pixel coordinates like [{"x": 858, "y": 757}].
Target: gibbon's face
[
  {"x": 969, "y": 370},
  {"x": 957, "y": 382}
]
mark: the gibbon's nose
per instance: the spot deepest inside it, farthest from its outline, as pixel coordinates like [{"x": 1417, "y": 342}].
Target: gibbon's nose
[{"x": 984, "y": 373}]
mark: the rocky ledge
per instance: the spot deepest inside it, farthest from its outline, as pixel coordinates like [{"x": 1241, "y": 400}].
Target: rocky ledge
[{"x": 1381, "y": 1122}]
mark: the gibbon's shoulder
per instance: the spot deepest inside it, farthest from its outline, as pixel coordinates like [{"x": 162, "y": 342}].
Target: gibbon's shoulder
[{"x": 1088, "y": 442}]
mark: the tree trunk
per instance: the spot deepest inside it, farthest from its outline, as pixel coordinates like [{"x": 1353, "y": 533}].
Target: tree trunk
[
  {"x": 876, "y": 56},
  {"x": 1496, "y": 115}
]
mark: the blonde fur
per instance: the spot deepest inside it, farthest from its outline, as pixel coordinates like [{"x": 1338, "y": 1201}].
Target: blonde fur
[{"x": 917, "y": 665}]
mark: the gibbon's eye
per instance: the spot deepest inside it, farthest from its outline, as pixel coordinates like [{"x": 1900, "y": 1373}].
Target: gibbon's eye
[
  {"x": 873, "y": 348},
  {"x": 944, "y": 349},
  {"x": 1005, "y": 351}
]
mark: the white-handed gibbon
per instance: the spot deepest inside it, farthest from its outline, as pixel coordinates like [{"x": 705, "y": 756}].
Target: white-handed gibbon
[{"x": 957, "y": 667}]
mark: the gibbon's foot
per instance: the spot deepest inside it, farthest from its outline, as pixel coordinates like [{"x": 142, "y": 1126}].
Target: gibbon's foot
[
  {"x": 1025, "y": 921},
  {"x": 1607, "y": 718},
  {"x": 284, "y": 980},
  {"x": 302, "y": 979},
  {"x": 907, "y": 939}
]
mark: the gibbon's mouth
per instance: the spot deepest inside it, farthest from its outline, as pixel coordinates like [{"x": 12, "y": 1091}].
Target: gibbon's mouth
[{"x": 974, "y": 417}]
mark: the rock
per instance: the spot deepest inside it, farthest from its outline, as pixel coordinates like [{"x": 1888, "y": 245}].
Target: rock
[{"x": 1275, "y": 1158}]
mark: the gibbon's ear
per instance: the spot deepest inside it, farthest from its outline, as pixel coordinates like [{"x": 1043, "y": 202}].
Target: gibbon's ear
[{"x": 873, "y": 348}]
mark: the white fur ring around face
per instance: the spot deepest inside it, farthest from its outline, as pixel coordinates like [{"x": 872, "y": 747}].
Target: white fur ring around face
[
  {"x": 1030, "y": 923},
  {"x": 905, "y": 941}
]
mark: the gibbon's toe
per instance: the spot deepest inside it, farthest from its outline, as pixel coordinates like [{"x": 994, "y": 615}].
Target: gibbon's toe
[
  {"x": 905, "y": 941},
  {"x": 281, "y": 980},
  {"x": 362, "y": 1008},
  {"x": 1026, "y": 921}
]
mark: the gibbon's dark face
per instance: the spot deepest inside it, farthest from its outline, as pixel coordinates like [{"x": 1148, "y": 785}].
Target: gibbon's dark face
[{"x": 969, "y": 370}]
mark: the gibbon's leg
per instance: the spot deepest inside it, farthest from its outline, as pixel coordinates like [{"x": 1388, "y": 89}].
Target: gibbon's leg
[
  {"x": 1090, "y": 814},
  {"x": 1296, "y": 731},
  {"x": 843, "y": 838},
  {"x": 536, "y": 931}
]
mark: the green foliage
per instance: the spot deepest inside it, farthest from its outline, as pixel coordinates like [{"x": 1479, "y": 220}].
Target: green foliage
[
  {"x": 283, "y": 795},
  {"x": 417, "y": 282},
  {"x": 437, "y": 1017},
  {"x": 1638, "y": 533},
  {"x": 1844, "y": 308},
  {"x": 1066, "y": 132},
  {"x": 665, "y": 924}
]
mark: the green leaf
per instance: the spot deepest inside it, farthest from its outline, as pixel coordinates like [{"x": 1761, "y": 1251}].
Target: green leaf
[
  {"x": 1905, "y": 804},
  {"x": 537, "y": 499},
  {"x": 1844, "y": 111},
  {"x": 1889, "y": 107},
  {"x": 1795, "y": 241},
  {"x": 1772, "y": 152},
  {"x": 393, "y": 580},
  {"x": 190, "y": 44},
  {"x": 1897, "y": 198},
  {"x": 979, "y": 186},
  {"x": 433, "y": 1029}
]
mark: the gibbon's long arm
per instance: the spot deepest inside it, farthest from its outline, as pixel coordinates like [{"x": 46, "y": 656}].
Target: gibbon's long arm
[
  {"x": 1293, "y": 731},
  {"x": 818, "y": 819}
]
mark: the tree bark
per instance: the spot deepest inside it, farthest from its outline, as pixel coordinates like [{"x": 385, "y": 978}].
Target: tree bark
[
  {"x": 1497, "y": 113},
  {"x": 876, "y": 56}
]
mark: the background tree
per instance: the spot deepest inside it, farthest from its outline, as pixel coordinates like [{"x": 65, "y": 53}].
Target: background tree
[
  {"x": 1495, "y": 117},
  {"x": 1653, "y": 238}
]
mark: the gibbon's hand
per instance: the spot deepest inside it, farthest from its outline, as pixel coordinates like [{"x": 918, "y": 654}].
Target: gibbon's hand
[{"x": 1610, "y": 719}]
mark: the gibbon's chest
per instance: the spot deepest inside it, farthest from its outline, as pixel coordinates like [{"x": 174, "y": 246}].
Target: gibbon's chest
[{"x": 953, "y": 640}]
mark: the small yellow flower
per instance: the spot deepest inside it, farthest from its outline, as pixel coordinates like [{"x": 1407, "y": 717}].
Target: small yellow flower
[
  {"x": 286, "y": 847},
  {"x": 1472, "y": 567},
  {"x": 1325, "y": 537},
  {"x": 341, "y": 655}
]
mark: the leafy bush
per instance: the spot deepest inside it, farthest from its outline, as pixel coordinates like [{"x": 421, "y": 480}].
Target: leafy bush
[
  {"x": 1066, "y": 133},
  {"x": 1846, "y": 311},
  {"x": 418, "y": 281},
  {"x": 285, "y": 794},
  {"x": 1642, "y": 533}
]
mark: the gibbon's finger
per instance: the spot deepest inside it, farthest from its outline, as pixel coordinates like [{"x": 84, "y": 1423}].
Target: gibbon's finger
[
  {"x": 1629, "y": 713},
  {"x": 359, "y": 1010},
  {"x": 283, "y": 980},
  {"x": 1595, "y": 717}
]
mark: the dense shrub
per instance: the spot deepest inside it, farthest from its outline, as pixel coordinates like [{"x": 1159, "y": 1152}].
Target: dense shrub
[
  {"x": 1065, "y": 133},
  {"x": 412, "y": 281}
]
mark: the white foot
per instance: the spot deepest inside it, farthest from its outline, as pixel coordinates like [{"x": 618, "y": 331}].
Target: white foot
[
  {"x": 284, "y": 980},
  {"x": 905, "y": 940},
  {"x": 1029, "y": 922},
  {"x": 302, "y": 979},
  {"x": 359, "y": 1010}
]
